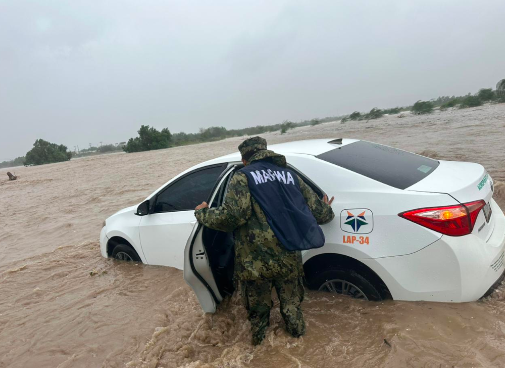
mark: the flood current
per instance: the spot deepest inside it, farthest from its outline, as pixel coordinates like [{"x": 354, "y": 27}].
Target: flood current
[{"x": 63, "y": 305}]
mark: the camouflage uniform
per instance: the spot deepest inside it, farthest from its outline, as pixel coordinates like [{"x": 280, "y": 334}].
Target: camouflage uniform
[{"x": 261, "y": 262}]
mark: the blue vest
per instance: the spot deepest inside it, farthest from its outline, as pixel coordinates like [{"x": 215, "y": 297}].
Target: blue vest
[{"x": 277, "y": 191}]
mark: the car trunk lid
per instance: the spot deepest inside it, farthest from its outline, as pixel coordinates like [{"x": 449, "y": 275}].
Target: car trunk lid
[{"x": 465, "y": 182}]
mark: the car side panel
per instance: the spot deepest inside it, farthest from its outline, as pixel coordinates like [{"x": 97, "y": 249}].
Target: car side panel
[
  {"x": 125, "y": 224},
  {"x": 388, "y": 234}
]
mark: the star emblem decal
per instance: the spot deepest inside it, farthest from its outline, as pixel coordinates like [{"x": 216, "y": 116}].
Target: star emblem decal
[{"x": 356, "y": 221}]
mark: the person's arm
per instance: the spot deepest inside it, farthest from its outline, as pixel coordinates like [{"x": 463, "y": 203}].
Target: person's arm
[
  {"x": 235, "y": 210},
  {"x": 320, "y": 208}
]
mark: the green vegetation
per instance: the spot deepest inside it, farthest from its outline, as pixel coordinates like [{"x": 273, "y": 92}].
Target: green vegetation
[
  {"x": 470, "y": 101},
  {"x": 450, "y": 103},
  {"x": 500, "y": 89},
  {"x": 422, "y": 107},
  {"x": 44, "y": 152},
  {"x": 19, "y": 161},
  {"x": 356, "y": 115},
  {"x": 149, "y": 139},
  {"x": 375, "y": 113},
  {"x": 285, "y": 126},
  {"x": 486, "y": 94},
  {"x": 392, "y": 111},
  {"x": 108, "y": 148}
]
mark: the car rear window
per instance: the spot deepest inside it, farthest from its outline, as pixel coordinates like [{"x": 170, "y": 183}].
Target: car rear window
[{"x": 388, "y": 165}]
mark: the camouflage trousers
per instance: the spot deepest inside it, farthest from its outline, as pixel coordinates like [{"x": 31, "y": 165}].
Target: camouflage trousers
[{"x": 257, "y": 296}]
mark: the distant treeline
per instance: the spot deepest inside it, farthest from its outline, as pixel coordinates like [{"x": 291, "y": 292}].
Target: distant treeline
[{"x": 151, "y": 139}]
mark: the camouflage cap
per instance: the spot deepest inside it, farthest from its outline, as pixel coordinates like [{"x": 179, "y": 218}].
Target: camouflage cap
[{"x": 252, "y": 145}]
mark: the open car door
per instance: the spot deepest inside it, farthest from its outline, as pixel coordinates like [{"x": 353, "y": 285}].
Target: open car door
[{"x": 209, "y": 255}]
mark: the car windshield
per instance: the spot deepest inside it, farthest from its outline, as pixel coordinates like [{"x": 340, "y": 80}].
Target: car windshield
[{"x": 391, "y": 166}]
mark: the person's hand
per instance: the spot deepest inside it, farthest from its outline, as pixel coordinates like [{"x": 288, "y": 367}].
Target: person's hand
[
  {"x": 328, "y": 202},
  {"x": 203, "y": 205}
]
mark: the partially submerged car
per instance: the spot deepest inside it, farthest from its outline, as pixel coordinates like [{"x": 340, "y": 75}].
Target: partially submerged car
[{"x": 407, "y": 227}]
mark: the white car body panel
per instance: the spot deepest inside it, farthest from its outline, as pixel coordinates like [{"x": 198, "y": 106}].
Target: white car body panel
[
  {"x": 452, "y": 177},
  {"x": 161, "y": 236},
  {"x": 414, "y": 262},
  {"x": 124, "y": 224},
  {"x": 453, "y": 269}
]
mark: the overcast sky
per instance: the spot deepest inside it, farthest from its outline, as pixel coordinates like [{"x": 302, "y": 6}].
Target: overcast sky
[{"x": 84, "y": 71}]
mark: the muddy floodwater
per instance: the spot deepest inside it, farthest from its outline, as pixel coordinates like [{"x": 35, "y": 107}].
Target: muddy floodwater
[{"x": 63, "y": 305}]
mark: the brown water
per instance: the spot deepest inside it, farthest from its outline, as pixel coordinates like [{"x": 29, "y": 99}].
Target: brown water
[{"x": 63, "y": 305}]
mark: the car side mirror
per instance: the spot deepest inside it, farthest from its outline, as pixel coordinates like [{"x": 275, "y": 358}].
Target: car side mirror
[{"x": 143, "y": 208}]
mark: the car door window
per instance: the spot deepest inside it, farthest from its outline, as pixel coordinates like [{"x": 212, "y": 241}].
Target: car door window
[{"x": 189, "y": 191}]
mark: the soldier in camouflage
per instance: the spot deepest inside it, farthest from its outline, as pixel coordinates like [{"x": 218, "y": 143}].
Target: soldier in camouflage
[{"x": 261, "y": 261}]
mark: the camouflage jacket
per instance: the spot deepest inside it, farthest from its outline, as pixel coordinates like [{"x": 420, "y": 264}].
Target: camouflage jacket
[{"x": 258, "y": 253}]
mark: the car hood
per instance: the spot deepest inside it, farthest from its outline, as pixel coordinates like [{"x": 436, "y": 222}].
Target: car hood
[{"x": 127, "y": 209}]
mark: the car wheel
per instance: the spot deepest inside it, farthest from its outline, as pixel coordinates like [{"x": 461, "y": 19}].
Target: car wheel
[
  {"x": 123, "y": 252},
  {"x": 345, "y": 282}
]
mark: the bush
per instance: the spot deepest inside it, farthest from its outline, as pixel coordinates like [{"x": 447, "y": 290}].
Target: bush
[
  {"x": 394, "y": 110},
  {"x": 106, "y": 148},
  {"x": 470, "y": 101},
  {"x": 422, "y": 107},
  {"x": 149, "y": 139},
  {"x": 500, "y": 88},
  {"x": 315, "y": 121},
  {"x": 448, "y": 104},
  {"x": 356, "y": 115},
  {"x": 213, "y": 133},
  {"x": 285, "y": 126},
  {"x": 486, "y": 94},
  {"x": 18, "y": 161},
  {"x": 344, "y": 119},
  {"x": 375, "y": 113},
  {"x": 44, "y": 152}
]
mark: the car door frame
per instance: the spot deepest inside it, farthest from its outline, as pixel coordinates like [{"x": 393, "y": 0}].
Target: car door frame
[
  {"x": 152, "y": 206},
  {"x": 205, "y": 288}
]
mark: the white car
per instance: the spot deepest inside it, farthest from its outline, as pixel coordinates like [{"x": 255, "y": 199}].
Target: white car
[{"x": 406, "y": 227}]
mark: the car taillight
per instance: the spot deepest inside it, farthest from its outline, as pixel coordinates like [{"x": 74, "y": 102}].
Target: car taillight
[{"x": 449, "y": 220}]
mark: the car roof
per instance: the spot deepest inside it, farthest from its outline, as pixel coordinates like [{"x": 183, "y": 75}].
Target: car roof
[{"x": 311, "y": 147}]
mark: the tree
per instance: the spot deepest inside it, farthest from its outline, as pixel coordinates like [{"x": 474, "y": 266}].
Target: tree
[
  {"x": 375, "y": 113},
  {"x": 286, "y": 125},
  {"x": 149, "y": 139},
  {"x": 450, "y": 103},
  {"x": 18, "y": 161},
  {"x": 470, "y": 101},
  {"x": 422, "y": 107},
  {"x": 213, "y": 133},
  {"x": 106, "y": 148},
  {"x": 486, "y": 94},
  {"x": 500, "y": 88},
  {"x": 356, "y": 115},
  {"x": 44, "y": 152}
]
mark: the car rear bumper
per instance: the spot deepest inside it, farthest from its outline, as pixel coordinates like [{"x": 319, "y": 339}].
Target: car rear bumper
[
  {"x": 103, "y": 241},
  {"x": 452, "y": 269}
]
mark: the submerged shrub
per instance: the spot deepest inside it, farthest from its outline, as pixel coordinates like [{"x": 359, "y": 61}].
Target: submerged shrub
[
  {"x": 470, "y": 101},
  {"x": 422, "y": 107},
  {"x": 375, "y": 113},
  {"x": 486, "y": 94},
  {"x": 356, "y": 115}
]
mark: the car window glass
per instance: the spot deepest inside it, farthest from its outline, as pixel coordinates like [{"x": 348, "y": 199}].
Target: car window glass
[
  {"x": 189, "y": 191},
  {"x": 391, "y": 166}
]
